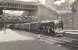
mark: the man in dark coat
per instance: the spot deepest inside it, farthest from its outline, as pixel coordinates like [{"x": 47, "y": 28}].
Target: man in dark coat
[{"x": 1, "y": 19}]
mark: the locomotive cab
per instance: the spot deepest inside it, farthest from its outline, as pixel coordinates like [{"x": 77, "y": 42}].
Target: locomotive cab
[{"x": 58, "y": 27}]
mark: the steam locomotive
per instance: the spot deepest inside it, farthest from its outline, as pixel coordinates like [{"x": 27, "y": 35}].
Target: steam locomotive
[{"x": 45, "y": 27}]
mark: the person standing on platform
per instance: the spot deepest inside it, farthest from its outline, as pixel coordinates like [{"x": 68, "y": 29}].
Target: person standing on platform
[{"x": 1, "y": 19}]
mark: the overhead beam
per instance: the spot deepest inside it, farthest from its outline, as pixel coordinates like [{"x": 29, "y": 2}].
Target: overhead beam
[{"x": 17, "y": 6}]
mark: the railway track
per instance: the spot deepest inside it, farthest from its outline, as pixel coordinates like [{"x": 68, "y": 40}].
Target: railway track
[{"x": 65, "y": 41}]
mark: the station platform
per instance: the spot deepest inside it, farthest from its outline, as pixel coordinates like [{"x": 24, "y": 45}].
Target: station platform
[
  {"x": 10, "y": 35},
  {"x": 71, "y": 33}
]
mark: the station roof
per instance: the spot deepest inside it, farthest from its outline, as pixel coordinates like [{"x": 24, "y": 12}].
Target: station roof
[
  {"x": 18, "y": 5},
  {"x": 19, "y": 1}
]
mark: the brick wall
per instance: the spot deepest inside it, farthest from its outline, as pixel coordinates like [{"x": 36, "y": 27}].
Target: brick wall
[
  {"x": 42, "y": 13},
  {"x": 70, "y": 21},
  {"x": 46, "y": 13}
]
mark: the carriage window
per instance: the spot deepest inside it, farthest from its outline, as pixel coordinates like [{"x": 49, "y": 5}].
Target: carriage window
[{"x": 1, "y": 12}]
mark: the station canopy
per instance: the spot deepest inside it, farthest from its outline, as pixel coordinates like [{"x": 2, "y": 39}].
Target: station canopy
[
  {"x": 21, "y": 0},
  {"x": 16, "y": 12}
]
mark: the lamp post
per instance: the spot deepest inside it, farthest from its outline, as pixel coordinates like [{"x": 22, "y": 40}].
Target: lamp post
[{"x": 4, "y": 23}]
